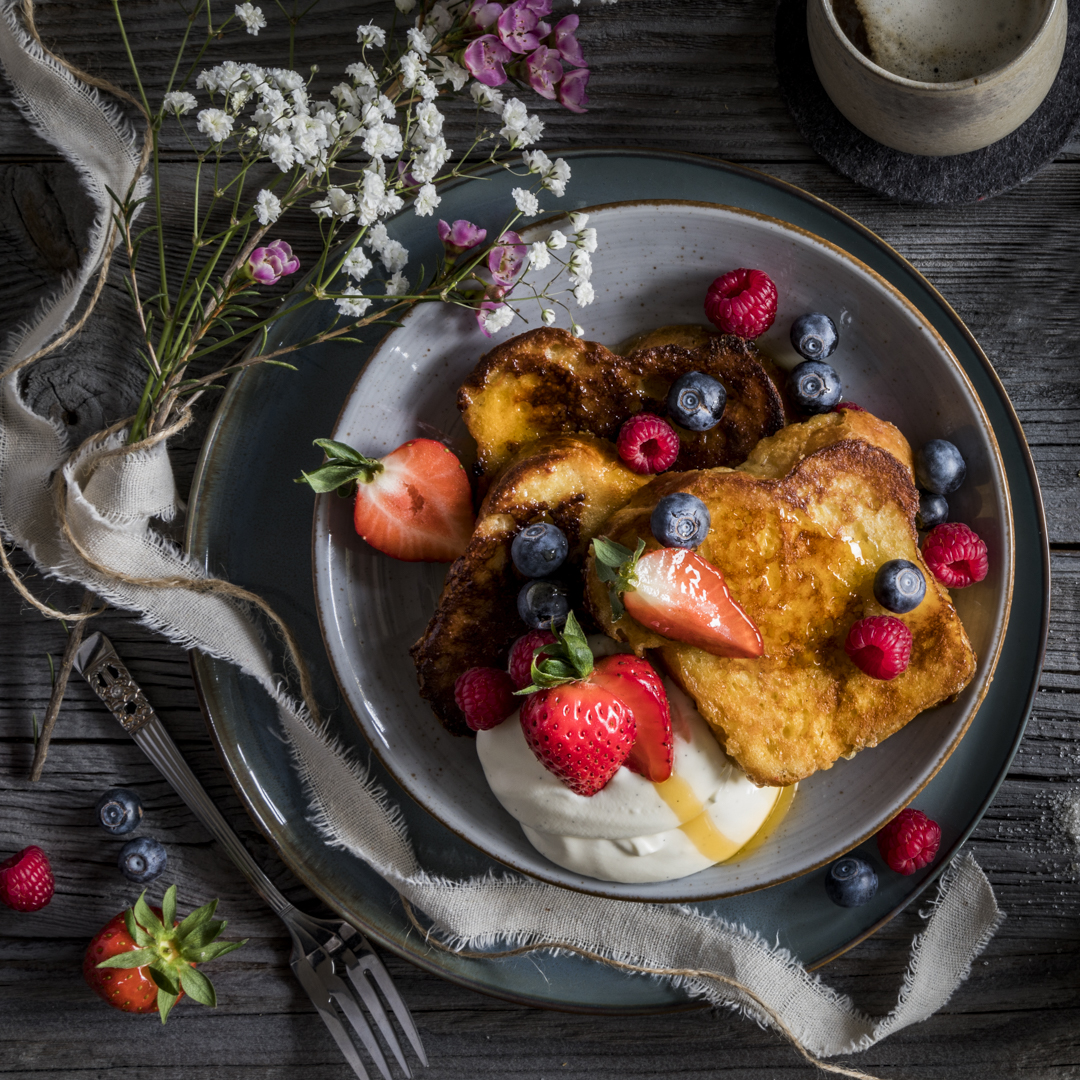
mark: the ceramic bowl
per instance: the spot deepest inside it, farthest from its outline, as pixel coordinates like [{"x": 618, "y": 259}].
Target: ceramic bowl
[
  {"x": 935, "y": 118},
  {"x": 655, "y": 263}
]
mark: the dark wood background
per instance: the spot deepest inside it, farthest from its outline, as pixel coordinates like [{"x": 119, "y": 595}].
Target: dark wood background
[{"x": 695, "y": 75}]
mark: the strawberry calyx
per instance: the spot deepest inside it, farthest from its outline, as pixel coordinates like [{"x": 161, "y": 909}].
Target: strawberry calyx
[
  {"x": 616, "y": 566},
  {"x": 343, "y": 469},
  {"x": 170, "y": 952},
  {"x": 565, "y": 660}
]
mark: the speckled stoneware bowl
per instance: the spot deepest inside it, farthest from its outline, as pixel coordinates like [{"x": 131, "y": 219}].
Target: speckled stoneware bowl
[
  {"x": 935, "y": 119},
  {"x": 654, "y": 265}
]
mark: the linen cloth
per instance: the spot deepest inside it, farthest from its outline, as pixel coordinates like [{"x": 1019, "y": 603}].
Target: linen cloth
[{"x": 112, "y": 500}]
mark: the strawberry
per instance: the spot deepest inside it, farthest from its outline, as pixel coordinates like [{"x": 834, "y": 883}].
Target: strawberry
[
  {"x": 634, "y": 681},
  {"x": 26, "y": 880},
  {"x": 143, "y": 961},
  {"x": 415, "y": 504},
  {"x": 678, "y": 594},
  {"x": 577, "y": 728}
]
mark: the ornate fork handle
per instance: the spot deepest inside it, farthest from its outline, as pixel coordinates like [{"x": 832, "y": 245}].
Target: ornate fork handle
[{"x": 111, "y": 680}]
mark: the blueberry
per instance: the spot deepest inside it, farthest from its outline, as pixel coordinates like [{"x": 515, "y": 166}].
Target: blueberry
[
  {"x": 539, "y": 550},
  {"x": 541, "y": 603},
  {"x": 119, "y": 811},
  {"x": 142, "y": 860},
  {"x": 899, "y": 586},
  {"x": 940, "y": 467},
  {"x": 933, "y": 510},
  {"x": 696, "y": 401},
  {"x": 850, "y": 882},
  {"x": 680, "y": 520},
  {"x": 814, "y": 335},
  {"x": 814, "y": 387}
]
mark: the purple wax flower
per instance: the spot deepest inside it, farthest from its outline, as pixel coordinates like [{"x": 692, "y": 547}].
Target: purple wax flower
[
  {"x": 484, "y": 57},
  {"x": 505, "y": 259},
  {"x": 543, "y": 70},
  {"x": 572, "y": 90},
  {"x": 482, "y": 15},
  {"x": 566, "y": 45},
  {"x": 460, "y": 236},
  {"x": 268, "y": 265},
  {"x": 517, "y": 27},
  {"x": 539, "y": 8}
]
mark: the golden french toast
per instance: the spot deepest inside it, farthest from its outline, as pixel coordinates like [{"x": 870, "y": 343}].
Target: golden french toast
[
  {"x": 799, "y": 533},
  {"x": 548, "y": 382},
  {"x": 573, "y": 481}
]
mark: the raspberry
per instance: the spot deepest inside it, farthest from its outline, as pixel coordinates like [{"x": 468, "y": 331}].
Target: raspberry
[
  {"x": 647, "y": 444},
  {"x": 956, "y": 555},
  {"x": 742, "y": 302},
  {"x": 909, "y": 842},
  {"x": 880, "y": 646},
  {"x": 848, "y": 405},
  {"x": 26, "y": 880},
  {"x": 486, "y": 696},
  {"x": 521, "y": 656}
]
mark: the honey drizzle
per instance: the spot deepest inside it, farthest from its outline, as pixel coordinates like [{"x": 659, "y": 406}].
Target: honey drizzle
[{"x": 694, "y": 821}]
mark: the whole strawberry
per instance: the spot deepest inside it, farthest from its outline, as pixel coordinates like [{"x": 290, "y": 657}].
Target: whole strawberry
[
  {"x": 415, "y": 504},
  {"x": 26, "y": 880},
  {"x": 910, "y": 841},
  {"x": 143, "y": 961}
]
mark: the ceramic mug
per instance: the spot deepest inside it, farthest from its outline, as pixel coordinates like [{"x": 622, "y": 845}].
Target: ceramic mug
[{"x": 935, "y": 118}]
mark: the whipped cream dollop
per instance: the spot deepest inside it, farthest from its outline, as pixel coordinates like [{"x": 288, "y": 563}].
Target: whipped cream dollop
[{"x": 632, "y": 830}]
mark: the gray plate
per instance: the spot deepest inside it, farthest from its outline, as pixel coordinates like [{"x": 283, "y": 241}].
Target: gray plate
[{"x": 250, "y": 523}]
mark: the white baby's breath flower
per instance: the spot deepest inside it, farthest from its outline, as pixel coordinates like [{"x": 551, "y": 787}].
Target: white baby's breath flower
[
  {"x": 370, "y": 34},
  {"x": 341, "y": 203},
  {"x": 497, "y": 319},
  {"x": 179, "y": 102},
  {"x": 252, "y": 17},
  {"x": 514, "y": 118},
  {"x": 279, "y": 148},
  {"x": 548, "y": 316},
  {"x": 556, "y": 179},
  {"x": 426, "y": 201},
  {"x": 429, "y": 121},
  {"x": 532, "y": 131},
  {"x": 536, "y": 161},
  {"x": 557, "y": 240},
  {"x": 357, "y": 265},
  {"x": 418, "y": 41},
  {"x": 487, "y": 97},
  {"x": 526, "y": 202},
  {"x": 576, "y": 330},
  {"x": 267, "y": 207},
  {"x": 361, "y": 74},
  {"x": 539, "y": 255},
  {"x": 397, "y": 285},
  {"x": 394, "y": 255},
  {"x": 405, "y": 6},
  {"x": 580, "y": 267},
  {"x": 440, "y": 18},
  {"x": 578, "y": 221},
  {"x": 584, "y": 294},
  {"x": 352, "y": 308},
  {"x": 412, "y": 67},
  {"x": 446, "y": 70},
  {"x": 383, "y": 141},
  {"x": 215, "y": 124},
  {"x": 586, "y": 240}
]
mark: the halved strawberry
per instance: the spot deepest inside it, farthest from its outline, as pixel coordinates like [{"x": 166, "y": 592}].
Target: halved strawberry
[
  {"x": 577, "y": 728},
  {"x": 678, "y": 594},
  {"x": 415, "y": 504},
  {"x": 634, "y": 681}
]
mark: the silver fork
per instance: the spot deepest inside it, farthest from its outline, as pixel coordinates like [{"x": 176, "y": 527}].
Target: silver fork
[{"x": 320, "y": 946}]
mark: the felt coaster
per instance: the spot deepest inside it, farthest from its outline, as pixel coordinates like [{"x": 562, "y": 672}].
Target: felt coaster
[{"x": 912, "y": 178}]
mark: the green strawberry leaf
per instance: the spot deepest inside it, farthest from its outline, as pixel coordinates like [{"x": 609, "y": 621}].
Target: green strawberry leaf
[
  {"x": 165, "y": 1002},
  {"x": 135, "y": 931},
  {"x": 567, "y": 659},
  {"x": 164, "y": 979},
  {"x": 616, "y": 566},
  {"x": 194, "y": 920},
  {"x": 201, "y": 936},
  {"x": 343, "y": 469},
  {"x": 197, "y": 986},
  {"x": 168, "y": 906},
  {"x": 216, "y": 949},
  {"x": 146, "y": 918},
  {"x": 135, "y": 958}
]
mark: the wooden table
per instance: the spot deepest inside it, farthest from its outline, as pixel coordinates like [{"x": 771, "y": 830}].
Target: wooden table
[{"x": 693, "y": 75}]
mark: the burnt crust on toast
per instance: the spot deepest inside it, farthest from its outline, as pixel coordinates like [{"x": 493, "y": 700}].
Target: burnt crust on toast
[
  {"x": 575, "y": 482},
  {"x": 547, "y": 382}
]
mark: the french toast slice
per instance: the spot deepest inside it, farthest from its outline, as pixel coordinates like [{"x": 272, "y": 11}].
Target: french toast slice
[
  {"x": 548, "y": 382},
  {"x": 799, "y": 551},
  {"x": 574, "y": 481}
]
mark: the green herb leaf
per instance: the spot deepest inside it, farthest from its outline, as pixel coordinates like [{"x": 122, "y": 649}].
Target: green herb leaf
[
  {"x": 146, "y": 918},
  {"x": 135, "y": 958},
  {"x": 197, "y": 986},
  {"x": 168, "y": 906},
  {"x": 165, "y": 1002}
]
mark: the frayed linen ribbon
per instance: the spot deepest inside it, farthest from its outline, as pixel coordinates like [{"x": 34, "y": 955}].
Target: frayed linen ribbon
[{"x": 93, "y": 525}]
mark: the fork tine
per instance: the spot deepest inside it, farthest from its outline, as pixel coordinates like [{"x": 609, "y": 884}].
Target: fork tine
[
  {"x": 320, "y": 998},
  {"x": 371, "y": 999},
  {"x": 340, "y": 993},
  {"x": 369, "y": 961}
]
